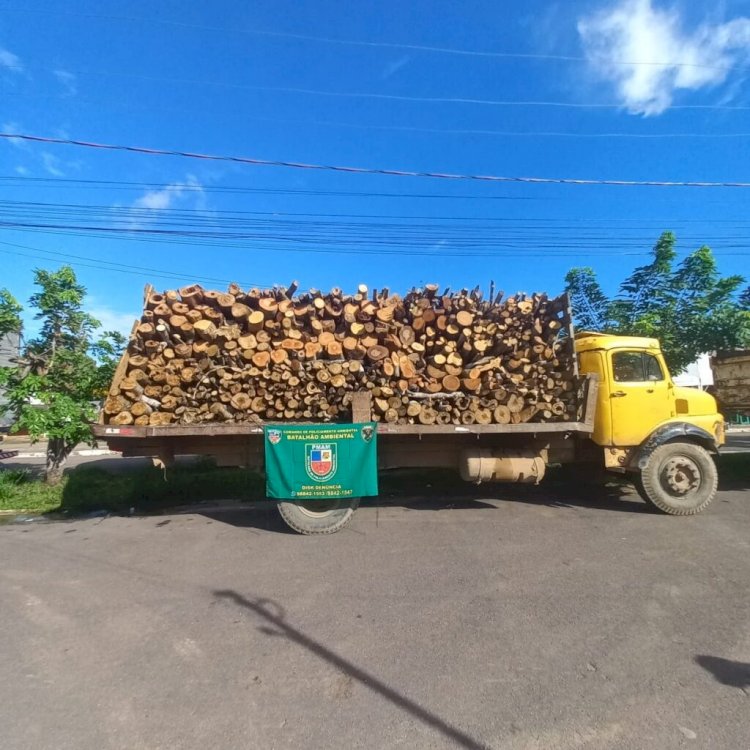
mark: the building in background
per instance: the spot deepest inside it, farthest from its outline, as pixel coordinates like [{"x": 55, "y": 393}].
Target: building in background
[
  {"x": 697, "y": 375},
  {"x": 10, "y": 348}
]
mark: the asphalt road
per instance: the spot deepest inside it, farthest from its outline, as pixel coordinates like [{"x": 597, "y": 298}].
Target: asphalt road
[{"x": 527, "y": 621}]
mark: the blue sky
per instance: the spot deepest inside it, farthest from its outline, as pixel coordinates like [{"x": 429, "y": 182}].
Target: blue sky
[{"x": 636, "y": 90}]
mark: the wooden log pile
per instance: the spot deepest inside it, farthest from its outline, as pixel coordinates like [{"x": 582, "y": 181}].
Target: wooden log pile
[{"x": 427, "y": 357}]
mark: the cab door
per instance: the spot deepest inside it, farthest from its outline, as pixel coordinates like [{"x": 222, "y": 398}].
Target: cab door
[{"x": 640, "y": 395}]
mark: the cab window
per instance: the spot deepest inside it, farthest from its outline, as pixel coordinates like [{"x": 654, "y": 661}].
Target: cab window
[
  {"x": 636, "y": 367},
  {"x": 652, "y": 368}
]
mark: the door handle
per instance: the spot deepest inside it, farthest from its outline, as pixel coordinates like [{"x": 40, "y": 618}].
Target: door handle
[
  {"x": 649, "y": 390},
  {"x": 618, "y": 394}
]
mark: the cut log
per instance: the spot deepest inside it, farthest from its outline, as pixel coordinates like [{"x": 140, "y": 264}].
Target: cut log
[
  {"x": 502, "y": 414},
  {"x": 241, "y": 401},
  {"x": 451, "y": 383},
  {"x": 255, "y": 321},
  {"x": 115, "y": 405},
  {"x": 205, "y": 328},
  {"x": 377, "y": 353},
  {"x": 427, "y": 415},
  {"x": 123, "y": 418}
]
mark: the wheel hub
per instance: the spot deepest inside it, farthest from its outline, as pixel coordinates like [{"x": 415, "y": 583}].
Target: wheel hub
[{"x": 682, "y": 475}]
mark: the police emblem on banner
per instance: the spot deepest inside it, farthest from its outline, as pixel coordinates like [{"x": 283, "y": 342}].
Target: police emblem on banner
[
  {"x": 274, "y": 437},
  {"x": 320, "y": 461},
  {"x": 367, "y": 433}
]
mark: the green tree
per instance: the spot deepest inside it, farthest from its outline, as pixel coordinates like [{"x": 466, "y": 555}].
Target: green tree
[
  {"x": 10, "y": 313},
  {"x": 52, "y": 390},
  {"x": 689, "y": 307},
  {"x": 591, "y": 305}
]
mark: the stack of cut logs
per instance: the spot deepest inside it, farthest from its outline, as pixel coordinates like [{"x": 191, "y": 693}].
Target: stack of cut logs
[{"x": 427, "y": 357}]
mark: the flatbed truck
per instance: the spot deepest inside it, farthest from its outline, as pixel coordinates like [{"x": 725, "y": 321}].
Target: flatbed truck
[{"x": 632, "y": 420}]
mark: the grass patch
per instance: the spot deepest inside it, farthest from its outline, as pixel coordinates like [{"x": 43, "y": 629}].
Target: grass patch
[
  {"x": 88, "y": 488},
  {"x": 20, "y": 491}
]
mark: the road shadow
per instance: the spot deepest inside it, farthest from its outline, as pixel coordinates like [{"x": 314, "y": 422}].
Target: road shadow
[
  {"x": 734, "y": 471},
  {"x": 273, "y": 623},
  {"x": 262, "y": 515},
  {"x": 611, "y": 497},
  {"x": 727, "y": 672}
]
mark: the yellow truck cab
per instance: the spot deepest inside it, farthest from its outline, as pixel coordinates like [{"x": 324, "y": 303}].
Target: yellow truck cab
[{"x": 647, "y": 426}]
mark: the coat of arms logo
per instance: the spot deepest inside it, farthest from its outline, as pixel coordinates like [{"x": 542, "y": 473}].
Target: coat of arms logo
[
  {"x": 274, "y": 437},
  {"x": 320, "y": 461}
]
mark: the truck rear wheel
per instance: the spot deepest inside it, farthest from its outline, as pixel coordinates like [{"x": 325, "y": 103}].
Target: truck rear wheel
[
  {"x": 318, "y": 516},
  {"x": 679, "y": 479}
]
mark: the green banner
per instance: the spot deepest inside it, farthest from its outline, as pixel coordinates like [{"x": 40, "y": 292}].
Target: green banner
[{"x": 316, "y": 461}]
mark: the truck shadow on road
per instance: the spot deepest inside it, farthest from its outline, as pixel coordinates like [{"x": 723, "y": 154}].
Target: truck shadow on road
[
  {"x": 263, "y": 515},
  {"x": 727, "y": 672},
  {"x": 619, "y": 498},
  {"x": 273, "y": 624}
]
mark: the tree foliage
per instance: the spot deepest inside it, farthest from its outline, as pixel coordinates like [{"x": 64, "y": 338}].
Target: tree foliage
[
  {"x": 688, "y": 305},
  {"x": 62, "y": 371},
  {"x": 10, "y": 313}
]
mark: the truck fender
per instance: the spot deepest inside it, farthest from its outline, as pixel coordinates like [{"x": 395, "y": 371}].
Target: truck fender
[{"x": 674, "y": 431}]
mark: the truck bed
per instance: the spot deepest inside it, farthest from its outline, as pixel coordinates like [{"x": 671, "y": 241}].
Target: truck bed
[
  {"x": 242, "y": 444},
  {"x": 732, "y": 381}
]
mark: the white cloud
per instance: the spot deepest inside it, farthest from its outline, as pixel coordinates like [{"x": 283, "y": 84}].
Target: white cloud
[
  {"x": 112, "y": 320},
  {"x": 670, "y": 56},
  {"x": 67, "y": 80},
  {"x": 14, "y": 127},
  {"x": 159, "y": 200},
  {"x": 51, "y": 164},
  {"x": 10, "y": 61},
  {"x": 188, "y": 192}
]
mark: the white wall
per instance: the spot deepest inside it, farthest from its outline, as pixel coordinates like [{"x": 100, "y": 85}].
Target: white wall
[{"x": 697, "y": 375}]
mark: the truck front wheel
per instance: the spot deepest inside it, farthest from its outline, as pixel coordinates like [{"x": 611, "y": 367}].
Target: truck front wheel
[
  {"x": 318, "y": 516},
  {"x": 679, "y": 479}
]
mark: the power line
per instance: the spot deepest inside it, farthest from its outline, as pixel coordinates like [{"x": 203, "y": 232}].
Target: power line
[
  {"x": 411, "y": 128},
  {"x": 520, "y": 247},
  {"x": 404, "y": 128},
  {"x": 111, "y": 266},
  {"x": 333, "y": 251},
  {"x": 215, "y": 217},
  {"x": 123, "y": 185},
  {"x": 362, "y": 43},
  {"x": 89, "y": 184},
  {"x": 374, "y": 95},
  {"x": 365, "y": 170}
]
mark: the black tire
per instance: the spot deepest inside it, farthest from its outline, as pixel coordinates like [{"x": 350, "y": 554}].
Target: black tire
[
  {"x": 679, "y": 479},
  {"x": 317, "y": 516},
  {"x": 639, "y": 488}
]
